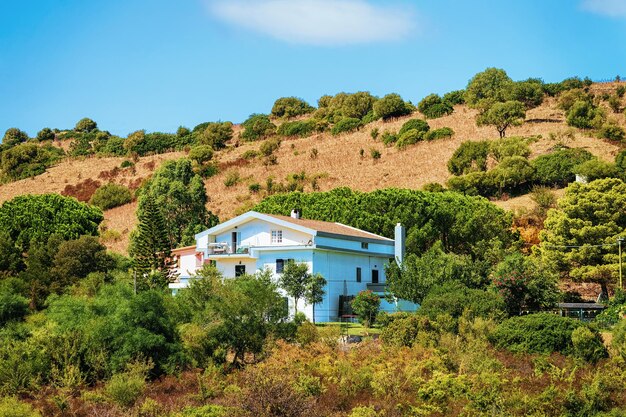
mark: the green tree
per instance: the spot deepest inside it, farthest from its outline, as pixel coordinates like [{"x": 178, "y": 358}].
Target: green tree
[
  {"x": 366, "y": 305},
  {"x": 357, "y": 105},
  {"x": 585, "y": 115},
  {"x": 10, "y": 255},
  {"x": 28, "y": 160},
  {"x": 528, "y": 92},
  {"x": 290, "y": 107},
  {"x": 151, "y": 247},
  {"x": 299, "y": 284},
  {"x": 432, "y": 106},
  {"x": 470, "y": 156},
  {"x": 488, "y": 87},
  {"x": 13, "y": 307},
  {"x": 418, "y": 275},
  {"x": 180, "y": 195},
  {"x": 45, "y": 134},
  {"x": 14, "y": 136},
  {"x": 525, "y": 284},
  {"x": 110, "y": 195},
  {"x": 579, "y": 238},
  {"x": 37, "y": 217},
  {"x": 85, "y": 125},
  {"x": 391, "y": 106},
  {"x": 503, "y": 115},
  {"x": 256, "y": 127},
  {"x": 214, "y": 134},
  {"x": 75, "y": 259}
]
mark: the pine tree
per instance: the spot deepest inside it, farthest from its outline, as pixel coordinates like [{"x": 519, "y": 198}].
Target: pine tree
[{"x": 151, "y": 248}]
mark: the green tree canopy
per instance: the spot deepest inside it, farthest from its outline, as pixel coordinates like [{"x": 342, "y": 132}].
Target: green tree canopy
[
  {"x": 300, "y": 284},
  {"x": 36, "y": 217},
  {"x": 14, "y": 136},
  {"x": 256, "y": 127},
  {"x": 179, "y": 194},
  {"x": 488, "y": 87},
  {"x": 214, "y": 134},
  {"x": 503, "y": 115},
  {"x": 85, "y": 125},
  {"x": 464, "y": 224},
  {"x": 290, "y": 107},
  {"x": 392, "y": 106},
  {"x": 580, "y": 236},
  {"x": 45, "y": 134}
]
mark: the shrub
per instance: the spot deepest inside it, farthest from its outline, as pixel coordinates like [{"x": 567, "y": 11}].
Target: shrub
[
  {"x": 297, "y": 128},
  {"x": 595, "y": 169},
  {"x": 85, "y": 125},
  {"x": 414, "y": 124},
  {"x": 111, "y": 195},
  {"x": 474, "y": 183},
  {"x": 113, "y": 146},
  {"x": 433, "y": 187},
  {"x": 307, "y": 333},
  {"x": 257, "y": 126},
  {"x": 45, "y": 134},
  {"x": 357, "y": 106},
  {"x": 512, "y": 173},
  {"x": 454, "y": 97},
  {"x": 620, "y": 91},
  {"x": 126, "y": 388},
  {"x": 14, "y": 136},
  {"x": 366, "y": 305},
  {"x": 255, "y": 187},
  {"x": 375, "y": 153},
  {"x": 13, "y": 306},
  {"x": 507, "y": 147},
  {"x": 392, "y": 106},
  {"x": 374, "y": 133},
  {"x": 619, "y": 338},
  {"x": 213, "y": 134},
  {"x": 313, "y": 153},
  {"x": 232, "y": 178},
  {"x": 410, "y": 137},
  {"x": 203, "y": 411},
  {"x": 389, "y": 138},
  {"x": 432, "y": 106},
  {"x": 529, "y": 93},
  {"x": 364, "y": 412},
  {"x": 469, "y": 156},
  {"x": 201, "y": 154},
  {"x": 587, "y": 345},
  {"x": 270, "y": 146},
  {"x": 585, "y": 115},
  {"x": 250, "y": 154},
  {"x": 28, "y": 160},
  {"x": 620, "y": 160},
  {"x": 12, "y": 407},
  {"x": 615, "y": 103},
  {"x": 441, "y": 133},
  {"x": 569, "y": 98},
  {"x": 557, "y": 168},
  {"x": 346, "y": 125},
  {"x": 406, "y": 330},
  {"x": 538, "y": 333},
  {"x": 543, "y": 197},
  {"x": 612, "y": 131},
  {"x": 290, "y": 107}
]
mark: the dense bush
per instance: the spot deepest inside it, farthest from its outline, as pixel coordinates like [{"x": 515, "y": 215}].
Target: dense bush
[
  {"x": 28, "y": 160},
  {"x": 569, "y": 98},
  {"x": 557, "y": 168},
  {"x": 257, "y": 126},
  {"x": 14, "y": 136},
  {"x": 432, "y": 106},
  {"x": 143, "y": 143},
  {"x": 542, "y": 333},
  {"x": 388, "y": 138},
  {"x": 410, "y": 137},
  {"x": 514, "y": 173},
  {"x": 45, "y": 134},
  {"x": 111, "y": 195},
  {"x": 487, "y": 87},
  {"x": 201, "y": 154},
  {"x": 612, "y": 131},
  {"x": 290, "y": 107},
  {"x": 114, "y": 146},
  {"x": 302, "y": 128},
  {"x": 595, "y": 169},
  {"x": 214, "y": 134},
  {"x": 506, "y": 147},
  {"x": 441, "y": 133},
  {"x": 407, "y": 330},
  {"x": 454, "y": 97},
  {"x": 469, "y": 156},
  {"x": 346, "y": 125},
  {"x": 392, "y": 106},
  {"x": 270, "y": 146},
  {"x": 585, "y": 115},
  {"x": 528, "y": 92},
  {"x": 366, "y": 305},
  {"x": 85, "y": 125},
  {"x": 473, "y": 183},
  {"x": 13, "y": 306},
  {"x": 414, "y": 124}
]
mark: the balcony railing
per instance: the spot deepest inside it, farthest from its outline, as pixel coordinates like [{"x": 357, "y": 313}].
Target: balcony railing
[{"x": 225, "y": 249}]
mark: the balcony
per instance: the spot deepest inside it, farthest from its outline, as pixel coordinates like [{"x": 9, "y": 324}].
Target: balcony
[
  {"x": 225, "y": 249},
  {"x": 381, "y": 287}
]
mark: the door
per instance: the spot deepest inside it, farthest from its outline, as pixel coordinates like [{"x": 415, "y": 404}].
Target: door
[
  {"x": 374, "y": 276},
  {"x": 240, "y": 270}
]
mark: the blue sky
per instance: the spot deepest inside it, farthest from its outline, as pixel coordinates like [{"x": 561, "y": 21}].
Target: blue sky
[{"x": 158, "y": 64}]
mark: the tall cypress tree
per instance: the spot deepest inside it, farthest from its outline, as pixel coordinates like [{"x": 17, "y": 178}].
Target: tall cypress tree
[{"x": 151, "y": 247}]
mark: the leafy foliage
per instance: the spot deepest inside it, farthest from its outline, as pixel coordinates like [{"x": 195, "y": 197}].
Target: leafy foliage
[
  {"x": 392, "y": 106},
  {"x": 557, "y": 168},
  {"x": 28, "y": 160},
  {"x": 348, "y": 124},
  {"x": 256, "y": 127},
  {"x": 110, "y": 195},
  {"x": 300, "y": 284},
  {"x": 468, "y": 157},
  {"x": 290, "y": 107},
  {"x": 487, "y": 87},
  {"x": 301, "y": 128},
  {"x": 366, "y": 305},
  {"x": 441, "y": 133},
  {"x": 36, "y": 217},
  {"x": 214, "y": 134},
  {"x": 585, "y": 115},
  {"x": 85, "y": 125},
  {"x": 433, "y": 106},
  {"x": 14, "y": 136},
  {"x": 503, "y": 115}
]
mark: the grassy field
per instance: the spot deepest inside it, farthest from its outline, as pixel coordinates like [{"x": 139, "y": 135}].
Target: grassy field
[{"x": 354, "y": 329}]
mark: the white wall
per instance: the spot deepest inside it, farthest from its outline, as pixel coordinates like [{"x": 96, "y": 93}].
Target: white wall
[
  {"x": 227, "y": 266},
  {"x": 355, "y": 245},
  {"x": 258, "y": 233}
]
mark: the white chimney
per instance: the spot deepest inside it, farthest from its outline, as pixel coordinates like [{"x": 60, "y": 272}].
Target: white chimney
[
  {"x": 399, "y": 237},
  {"x": 295, "y": 213}
]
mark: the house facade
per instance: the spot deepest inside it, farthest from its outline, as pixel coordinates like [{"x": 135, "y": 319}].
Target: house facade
[{"x": 351, "y": 260}]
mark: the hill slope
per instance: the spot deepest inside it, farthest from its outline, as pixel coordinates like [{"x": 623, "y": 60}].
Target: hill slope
[{"x": 338, "y": 163}]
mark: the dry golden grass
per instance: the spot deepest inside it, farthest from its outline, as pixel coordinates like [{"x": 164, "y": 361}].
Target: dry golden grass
[{"x": 338, "y": 159}]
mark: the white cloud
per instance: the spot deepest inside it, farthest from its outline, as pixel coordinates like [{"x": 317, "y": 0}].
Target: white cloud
[
  {"x": 318, "y": 22},
  {"x": 612, "y": 8}
]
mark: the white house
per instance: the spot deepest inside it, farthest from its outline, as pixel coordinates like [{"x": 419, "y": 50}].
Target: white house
[{"x": 350, "y": 259}]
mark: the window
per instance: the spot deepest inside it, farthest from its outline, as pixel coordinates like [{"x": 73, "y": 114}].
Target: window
[
  {"x": 280, "y": 266},
  {"x": 277, "y": 236},
  {"x": 374, "y": 276},
  {"x": 358, "y": 274},
  {"x": 240, "y": 270},
  {"x": 364, "y": 245}
]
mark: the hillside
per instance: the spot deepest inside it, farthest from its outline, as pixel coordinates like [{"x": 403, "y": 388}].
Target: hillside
[{"x": 338, "y": 163}]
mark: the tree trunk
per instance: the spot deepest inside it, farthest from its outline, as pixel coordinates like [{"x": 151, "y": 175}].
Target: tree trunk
[
  {"x": 295, "y": 307},
  {"x": 604, "y": 293},
  {"x": 313, "y": 313}
]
